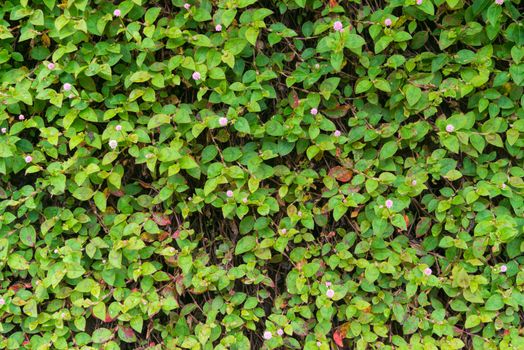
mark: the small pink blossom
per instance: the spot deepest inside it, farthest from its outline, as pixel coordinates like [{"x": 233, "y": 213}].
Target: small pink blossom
[
  {"x": 284, "y": 231},
  {"x": 414, "y": 183},
  {"x": 338, "y": 26},
  {"x": 427, "y": 271},
  {"x": 118, "y": 127},
  {"x": 229, "y": 193},
  {"x": 330, "y": 293},
  {"x": 280, "y": 332},
  {"x": 222, "y": 121},
  {"x": 2, "y": 301},
  {"x": 499, "y": 2},
  {"x": 4, "y": 130},
  {"x": 389, "y": 203},
  {"x": 328, "y": 284},
  {"x": 187, "y": 6},
  {"x": 117, "y": 13},
  {"x": 67, "y": 87},
  {"x": 71, "y": 96},
  {"x": 267, "y": 335},
  {"x": 196, "y": 76},
  {"x": 28, "y": 159},
  {"x": 419, "y": 2},
  {"x": 337, "y": 133},
  {"x": 319, "y": 343},
  {"x": 299, "y": 214},
  {"x": 218, "y": 28},
  {"x": 113, "y": 144},
  {"x": 51, "y": 66},
  {"x": 503, "y": 268},
  {"x": 244, "y": 200},
  {"x": 388, "y": 22},
  {"x": 314, "y": 111},
  {"x": 21, "y": 117},
  {"x": 503, "y": 186},
  {"x": 450, "y": 128}
]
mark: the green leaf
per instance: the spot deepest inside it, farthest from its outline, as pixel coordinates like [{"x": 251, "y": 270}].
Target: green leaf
[
  {"x": 17, "y": 262},
  {"x": 101, "y": 335},
  {"x": 245, "y": 244}
]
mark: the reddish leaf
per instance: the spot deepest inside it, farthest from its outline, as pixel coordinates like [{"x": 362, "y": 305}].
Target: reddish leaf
[
  {"x": 333, "y": 3},
  {"x": 108, "y": 318},
  {"x": 176, "y": 234},
  {"x": 341, "y": 174},
  {"x": 296, "y": 101},
  {"x": 337, "y": 337},
  {"x": 128, "y": 332},
  {"x": 161, "y": 219}
]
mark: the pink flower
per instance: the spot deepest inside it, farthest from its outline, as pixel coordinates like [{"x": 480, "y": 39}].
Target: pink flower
[
  {"x": 388, "y": 22},
  {"x": 314, "y": 111},
  {"x": 503, "y": 268},
  {"x": 218, "y": 28},
  {"x": 229, "y": 193},
  {"x": 117, "y": 13},
  {"x": 113, "y": 144},
  {"x": 71, "y": 96},
  {"x": 499, "y": 2},
  {"x": 118, "y": 127},
  {"x": 67, "y": 87},
  {"x": 419, "y": 2},
  {"x": 196, "y": 75},
  {"x": 267, "y": 335},
  {"x": 187, "y": 6},
  {"x": 337, "y": 133},
  {"x": 2, "y": 301},
  {"x": 503, "y": 185},
  {"x": 284, "y": 231},
  {"x": 28, "y": 159},
  {"x": 330, "y": 293},
  {"x": 299, "y": 214},
  {"x": 450, "y": 128},
  {"x": 414, "y": 183},
  {"x": 244, "y": 200},
  {"x": 51, "y": 66},
  {"x": 427, "y": 271},
  {"x": 222, "y": 121},
  {"x": 389, "y": 203},
  {"x": 4, "y": 130},
  {"x": 319, "y": 343},
  {"x": 338, "y": 26},
  {"x": 328, "y": 284},
  {"x": 280, "y": 332},
  {"x": 21, "y": 117}
]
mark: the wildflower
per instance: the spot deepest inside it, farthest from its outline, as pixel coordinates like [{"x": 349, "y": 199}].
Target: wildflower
[
  {"x": 71, "y": 96},
  {"x": 419, "y": 2},
  {"x": 113, "y": 144},
  {"x": 499, "y": 2},
  {"x": 187, "y": 6},
  {"x": 118, "y": 127},
  {"x": 314, "y": 111},
  {"x": 117, "y": 13},
  {"x": 414, "y": 183},
  {"x": 330, "y": 293},
  {"x": 503, "y": 268},
  {"x": 4, "y": 130},
  {"x": 244, "y": 200},
  {"x": 21, "y": 117},
  {"x": 299, "y": 214},
  {"x": 337, "y": 133},
  {"x": 427, "y": 271},
  {"x": 67, "y": 87},
  {"x": 267, "y": 335},
  {"x": 28, "y": 159},
  {"x": 51, "y": 66},
  {"x": 328, "y": 284},
  {"x": 337, "y": 26},
  {"x": 56, "y": 251},
  {"x": 284, "y": 231},
  {"x": 229, "y": 193},
  {"x": 222, "y": 121},
  {"x": 388, "y": 22},
  {"x": 450, "y": 128},
  {"x": 218, "y": 28},
  {"x": 2, "y": 301},
  {"x": 319, "y": 343},
  {"x": 503, "y": 185},
  {"x": 280, "y": 332},
  {"x": 196, "y": 75},
  {"x": 389, "y": 203},
  {"x": 104, "y": 261}
]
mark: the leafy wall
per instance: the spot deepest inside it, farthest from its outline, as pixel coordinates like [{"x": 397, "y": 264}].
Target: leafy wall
[{"x": 235, "y": 174}]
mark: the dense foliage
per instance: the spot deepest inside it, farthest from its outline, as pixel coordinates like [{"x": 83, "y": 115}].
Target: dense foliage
[{"x": 236, "y": 174}]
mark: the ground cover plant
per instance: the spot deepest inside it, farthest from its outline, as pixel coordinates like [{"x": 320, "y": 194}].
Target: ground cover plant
[{"x": 236, "y": 174}]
